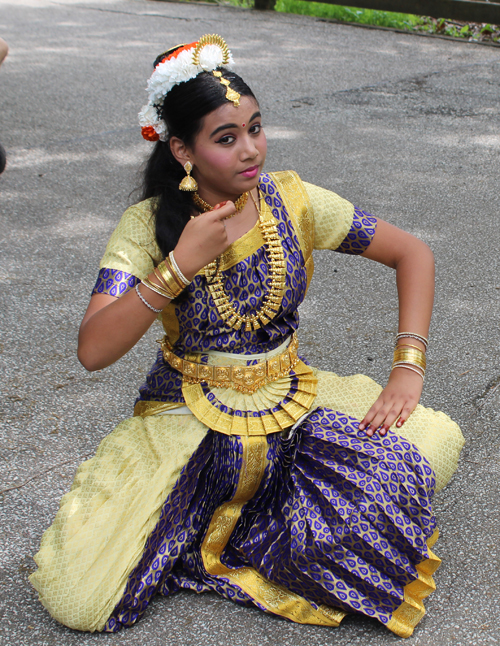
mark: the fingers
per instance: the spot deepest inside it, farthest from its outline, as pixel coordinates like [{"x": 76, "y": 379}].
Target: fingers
[
  {"x": 382, "y": 415},
  {"x": 405, "y": 413},
  {"x": 222, "y": 211},
  {"x": 396, "y": 402}
]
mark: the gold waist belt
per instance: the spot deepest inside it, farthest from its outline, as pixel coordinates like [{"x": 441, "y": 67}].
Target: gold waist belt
[{"x": 246, "y": 379}]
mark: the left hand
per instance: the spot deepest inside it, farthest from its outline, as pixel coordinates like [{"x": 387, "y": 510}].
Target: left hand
[{"x": 398, "y": 400}]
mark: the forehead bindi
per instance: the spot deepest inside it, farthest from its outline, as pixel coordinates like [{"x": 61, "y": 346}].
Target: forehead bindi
[{"x": 229, "y": 114}]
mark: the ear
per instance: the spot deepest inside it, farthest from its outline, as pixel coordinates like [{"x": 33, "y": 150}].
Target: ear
[{"x": 179, "y": 150}]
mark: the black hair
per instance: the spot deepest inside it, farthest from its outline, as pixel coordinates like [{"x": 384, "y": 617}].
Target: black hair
[{"x": 183, "y": 110}]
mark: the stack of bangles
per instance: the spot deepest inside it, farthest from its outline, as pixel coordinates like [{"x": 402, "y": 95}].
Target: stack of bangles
[
  {"x": 172, "y": 281},
  {"x": 410, "y": 356}
]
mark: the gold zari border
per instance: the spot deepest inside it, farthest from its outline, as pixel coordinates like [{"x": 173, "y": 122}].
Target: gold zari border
[
  {"x": 147, "y": 408},
  {"x": 410, "y": 612},
  {"x": 297, "y": 203},
  {"x": 273, "y": 597}
]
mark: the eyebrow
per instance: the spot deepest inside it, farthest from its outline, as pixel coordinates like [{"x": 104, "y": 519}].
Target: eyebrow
[{"x": 227, "y": 126}]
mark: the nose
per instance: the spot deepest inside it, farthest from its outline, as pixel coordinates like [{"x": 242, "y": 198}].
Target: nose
[{"x": 249, "y": 150}]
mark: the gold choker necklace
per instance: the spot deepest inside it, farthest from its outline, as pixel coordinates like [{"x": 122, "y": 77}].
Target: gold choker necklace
[
  {"x": 277, "y": 280},
  {"x": 205, "y": 206}
]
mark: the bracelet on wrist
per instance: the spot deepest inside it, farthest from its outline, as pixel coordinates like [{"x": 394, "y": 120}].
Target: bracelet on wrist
[
  {"x": 412, "y": 335},
  {"x": 138, "y": 291},
  {"x": 158, "y": 289},
  {"x": 176, "y": 268},
  {"x": 410, "y": 357},
  {"x": 412, "y": 368},
  {"x": 172, "y": 278}
]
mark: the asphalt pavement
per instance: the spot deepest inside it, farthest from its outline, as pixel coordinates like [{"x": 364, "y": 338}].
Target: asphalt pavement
[{"x": 406, "y": 127}]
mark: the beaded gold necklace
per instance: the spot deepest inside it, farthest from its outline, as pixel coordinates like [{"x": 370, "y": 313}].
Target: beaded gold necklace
[
  {"x": 205, "y": 206},
  {"x": 277, "y": 274}
]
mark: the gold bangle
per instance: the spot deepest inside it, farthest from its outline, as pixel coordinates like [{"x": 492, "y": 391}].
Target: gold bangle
[
  {"x": 413, "y": 351},
  {"x": 409, "y": 345},
  {"x": 157, "y": 288},
  {"x": 419, "y": 364},
  {"x": 413, "y": 355},
  {"x": 416, "y": 362},
  {"x": 173, "y": 288},
  {"x": 171, "y": 269},
  {"x": 169, "y": 278},
  {"x": 409, "y": 363}
]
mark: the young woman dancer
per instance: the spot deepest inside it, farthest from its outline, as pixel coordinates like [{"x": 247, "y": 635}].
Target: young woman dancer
[{"x": 245, "y": 471}]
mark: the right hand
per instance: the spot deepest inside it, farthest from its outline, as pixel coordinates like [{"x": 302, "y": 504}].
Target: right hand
[{"x": 203, "y": 239}]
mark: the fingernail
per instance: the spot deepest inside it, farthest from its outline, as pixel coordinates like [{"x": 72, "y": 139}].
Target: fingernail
[
  {"x": 400, "y": 423},
  {"x": 361, "y": 427}
]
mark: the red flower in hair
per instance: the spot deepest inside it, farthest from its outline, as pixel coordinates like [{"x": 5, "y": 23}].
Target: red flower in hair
[
  {"x": 178, "y": 51},
  {"x": 149, "y": 133}
]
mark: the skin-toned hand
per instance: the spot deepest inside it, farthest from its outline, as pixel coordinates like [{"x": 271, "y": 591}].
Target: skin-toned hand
[
  {"x": 414, "y": 264},
  {"x": 398, "y": 400},
  {"x": 203, "y": 239},
  {"x": 103, "y": 338}
]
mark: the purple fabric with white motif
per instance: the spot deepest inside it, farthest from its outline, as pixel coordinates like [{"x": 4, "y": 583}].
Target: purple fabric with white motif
[
  {"x": 200, "y": 326},
  {"x": 360, "y": 234},
  {"x": 339, "y": 519},
  {"x": 114, "y": 282},
  {"x": 202, "y": 329}
]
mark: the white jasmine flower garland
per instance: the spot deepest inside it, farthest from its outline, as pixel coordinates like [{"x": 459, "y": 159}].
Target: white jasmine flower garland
[{"x": 178, "y": 68}]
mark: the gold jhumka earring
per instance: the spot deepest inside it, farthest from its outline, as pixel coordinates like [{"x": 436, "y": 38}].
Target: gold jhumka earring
[{"x": 188, "y": 183}]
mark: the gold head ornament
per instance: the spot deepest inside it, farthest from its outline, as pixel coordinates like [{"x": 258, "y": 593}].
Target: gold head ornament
[{"x": 214, "y": 39}]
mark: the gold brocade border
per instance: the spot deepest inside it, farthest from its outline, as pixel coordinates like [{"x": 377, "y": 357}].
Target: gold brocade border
[
  {"x": 298, "y": 206},
  {"x": 170, "y": 323},
  {"x": 275, "y": 422},
  {"x": 145, "y": 408},
  {"x": 410, "y": 612},
  {"x": 275, "y": 598}
]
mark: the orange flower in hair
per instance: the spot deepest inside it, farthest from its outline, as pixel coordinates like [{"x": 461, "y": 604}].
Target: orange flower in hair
[{"x": 149, "y": 133}]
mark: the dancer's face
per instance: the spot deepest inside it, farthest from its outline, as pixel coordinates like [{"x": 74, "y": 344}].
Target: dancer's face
[{"x": 229, "y": 151}]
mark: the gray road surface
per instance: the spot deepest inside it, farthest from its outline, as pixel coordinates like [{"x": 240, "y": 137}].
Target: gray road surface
[{"x": 403, "y": 126}]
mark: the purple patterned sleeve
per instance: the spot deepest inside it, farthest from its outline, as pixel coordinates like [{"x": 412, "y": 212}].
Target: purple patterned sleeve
[
  {"x": 114, "y": 282},
  {"x": 360, "y": 234}
]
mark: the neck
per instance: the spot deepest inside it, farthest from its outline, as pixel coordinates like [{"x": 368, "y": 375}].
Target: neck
[{"x": 214, "y": 197}]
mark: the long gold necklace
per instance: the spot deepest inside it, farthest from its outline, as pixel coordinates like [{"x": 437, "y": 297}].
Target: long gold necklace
[
  {"x": 205, "y": 206},
  {"x": 277, "y": 274}
]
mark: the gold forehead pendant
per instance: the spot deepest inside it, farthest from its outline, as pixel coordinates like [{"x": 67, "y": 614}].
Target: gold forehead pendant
[{"x": 215, "y": 39}]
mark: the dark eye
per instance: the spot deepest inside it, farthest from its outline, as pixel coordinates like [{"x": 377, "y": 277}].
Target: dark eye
[
  {"x": 256, "y": 128},
  {"x": 226, "y": 139}
]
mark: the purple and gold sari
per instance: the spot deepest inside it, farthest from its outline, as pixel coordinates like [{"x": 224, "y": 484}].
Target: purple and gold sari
[{"x": 280, "y": 501}]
